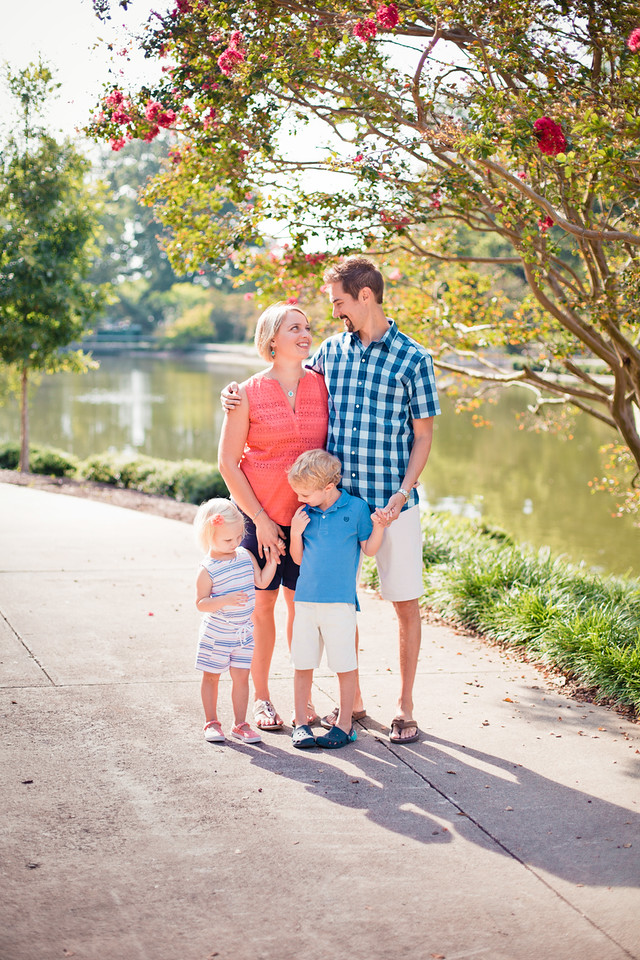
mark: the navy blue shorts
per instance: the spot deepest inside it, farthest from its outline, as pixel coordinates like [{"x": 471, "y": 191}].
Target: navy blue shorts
[{"x": 287, "y": 571}]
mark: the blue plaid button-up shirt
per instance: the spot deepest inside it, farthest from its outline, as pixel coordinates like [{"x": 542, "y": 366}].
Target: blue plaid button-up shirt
[{"x": 375, "y": 393}]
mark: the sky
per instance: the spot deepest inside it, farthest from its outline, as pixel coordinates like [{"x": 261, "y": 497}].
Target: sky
[{"x": 65, "y": 33}]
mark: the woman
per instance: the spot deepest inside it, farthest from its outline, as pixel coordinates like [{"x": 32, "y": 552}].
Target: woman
[{"x": 282, "y": 412}]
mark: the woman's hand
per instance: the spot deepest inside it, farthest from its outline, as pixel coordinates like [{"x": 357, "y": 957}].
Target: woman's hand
[{"x": 270, "y": 535}]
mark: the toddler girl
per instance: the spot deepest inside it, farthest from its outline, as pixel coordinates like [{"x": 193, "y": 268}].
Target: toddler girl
[{"x": 225, "y": 595}]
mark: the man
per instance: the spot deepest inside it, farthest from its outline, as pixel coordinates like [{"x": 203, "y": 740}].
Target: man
[{"x": 382, "y": 404}]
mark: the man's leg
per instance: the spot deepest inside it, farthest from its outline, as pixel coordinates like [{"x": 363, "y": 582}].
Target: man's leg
[{"x": 409, "y": 639}]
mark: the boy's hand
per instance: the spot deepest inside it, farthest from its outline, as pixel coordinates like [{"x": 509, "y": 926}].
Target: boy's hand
[
  {"x": 381, "y": 517},
  {"x": 230, "y": 396},
  {"x": 299, "y": 521}
]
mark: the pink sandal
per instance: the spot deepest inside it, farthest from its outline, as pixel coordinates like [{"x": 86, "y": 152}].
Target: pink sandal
[
  {"x": 243, "y": 732},
  {"x": 213, "y": 732}
]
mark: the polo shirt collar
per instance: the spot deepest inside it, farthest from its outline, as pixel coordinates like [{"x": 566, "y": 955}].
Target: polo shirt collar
[{"x": 340, "y": 503}]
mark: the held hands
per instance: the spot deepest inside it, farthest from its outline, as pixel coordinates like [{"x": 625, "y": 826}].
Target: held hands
[
  {"x": 381, "y": 518},
  {"x": 270, "y": 538},
  {"x": 230, "y": 396},
  {"x": 393, "y": 508}
]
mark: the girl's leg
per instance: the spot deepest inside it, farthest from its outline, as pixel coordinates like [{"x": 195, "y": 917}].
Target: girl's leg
[
  {"x": 209, "y": 694},
  {"x": 302, "y": 680},
  {"x": 239, "y": 693},
  {"x": 264, "y": 635},
  {"x": 348, "y": 682}
]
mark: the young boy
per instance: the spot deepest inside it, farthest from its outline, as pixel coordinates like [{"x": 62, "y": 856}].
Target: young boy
[{"x": 327, "y": 533}]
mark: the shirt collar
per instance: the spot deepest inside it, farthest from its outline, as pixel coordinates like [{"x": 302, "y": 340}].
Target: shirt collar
[
  {"x": 385, "y": 340},
  {"x": 339, "y": 504}
]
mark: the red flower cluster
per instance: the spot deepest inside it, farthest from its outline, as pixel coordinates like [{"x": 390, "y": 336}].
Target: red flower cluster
[
  {"x": 155, "y": 114},
  {"x": 551, "y": 139},
  {"x": 232, "y": 56},
  {"x": 365, "y": 30},
  {"x": 545, "y": 224},
  {"x": 315, "y": 258},
  {"x": 387, "y": 15},
  {"x": 634, "y": 40}
]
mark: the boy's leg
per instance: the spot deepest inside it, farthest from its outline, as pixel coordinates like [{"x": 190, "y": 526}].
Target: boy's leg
[
  {"x": 348, "y": 682},
  {"x": 302, "y": 680},
  {"x": 209, "y": 694}
]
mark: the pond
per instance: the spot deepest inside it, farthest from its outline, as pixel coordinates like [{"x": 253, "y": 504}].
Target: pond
[{"x": 535, "y": 486}]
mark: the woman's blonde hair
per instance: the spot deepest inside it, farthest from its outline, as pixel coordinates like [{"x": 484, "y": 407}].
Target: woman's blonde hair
[
  {"x": 269, "y": 323},
  {"x": 210, "y": 514},
  {"x": 316, "y": 469}
]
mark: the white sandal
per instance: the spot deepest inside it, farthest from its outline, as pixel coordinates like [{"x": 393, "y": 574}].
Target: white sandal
[{"x": 264, "y": 708}]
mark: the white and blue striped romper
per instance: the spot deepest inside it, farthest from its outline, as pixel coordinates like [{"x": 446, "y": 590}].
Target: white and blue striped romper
[{"x": 226, "y": 638}]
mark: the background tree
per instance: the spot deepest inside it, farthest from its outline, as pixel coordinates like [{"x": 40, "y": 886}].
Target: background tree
[
  {"x": 447, "y": 124},
  {"x": 48, "y": 221}
]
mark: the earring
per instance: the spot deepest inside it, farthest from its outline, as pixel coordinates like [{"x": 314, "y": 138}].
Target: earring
[{"x": 273, "y": 353}]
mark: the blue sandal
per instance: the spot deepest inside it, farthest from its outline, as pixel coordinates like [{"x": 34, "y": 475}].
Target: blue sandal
[
  {"x": 336, "y": 738},
  {"x": 302, "y": 737}
]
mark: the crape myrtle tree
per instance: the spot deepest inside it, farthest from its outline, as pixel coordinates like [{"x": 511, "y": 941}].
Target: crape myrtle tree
[
  {"x": 456, "y": 141},
  {"x": 47, "y": 226}
]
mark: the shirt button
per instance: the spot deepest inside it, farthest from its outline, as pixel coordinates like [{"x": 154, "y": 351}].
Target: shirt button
[
  {"x": 353, "y": 474},
  {"x": 357, "y": 406}
]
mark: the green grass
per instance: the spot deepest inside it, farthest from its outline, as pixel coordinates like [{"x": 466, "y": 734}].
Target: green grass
[{"x": 564, "y": 616}]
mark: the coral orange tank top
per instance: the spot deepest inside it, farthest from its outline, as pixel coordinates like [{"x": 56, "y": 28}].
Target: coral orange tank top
[{"x": 278, "y": 435}]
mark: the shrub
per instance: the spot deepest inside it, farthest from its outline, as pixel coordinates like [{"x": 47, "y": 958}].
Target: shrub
[{"x": 45, "y": 460}]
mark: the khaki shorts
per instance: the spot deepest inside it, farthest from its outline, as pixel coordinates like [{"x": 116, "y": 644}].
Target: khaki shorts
[
  {"x": 399, "y": 559},
  {"x": 328, "y": 626}
]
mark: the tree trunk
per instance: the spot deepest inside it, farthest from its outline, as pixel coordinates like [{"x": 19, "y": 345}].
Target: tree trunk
[{"x": 24, "y": 421}]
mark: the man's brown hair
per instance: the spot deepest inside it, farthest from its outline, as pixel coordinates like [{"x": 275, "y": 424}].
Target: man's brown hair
[{"x": 354, "y": 273}]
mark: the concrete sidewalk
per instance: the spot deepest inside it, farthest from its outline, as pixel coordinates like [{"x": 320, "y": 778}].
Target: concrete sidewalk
[{"x": 510, "y": 831}]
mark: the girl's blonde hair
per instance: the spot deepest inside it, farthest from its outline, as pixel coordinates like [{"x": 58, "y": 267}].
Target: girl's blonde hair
[
  {"x": 269, "y": 323},
  {"x": 316, "y": 469},
  {"x": 210, "y": 514}
]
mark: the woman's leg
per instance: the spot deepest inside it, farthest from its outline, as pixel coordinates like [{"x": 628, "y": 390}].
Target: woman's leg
[
  {"x": 209, "y": 694},
  {"x": 264, "y": 635}
]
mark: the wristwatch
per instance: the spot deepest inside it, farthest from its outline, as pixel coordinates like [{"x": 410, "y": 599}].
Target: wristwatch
[{"x": 404, "y": 493}]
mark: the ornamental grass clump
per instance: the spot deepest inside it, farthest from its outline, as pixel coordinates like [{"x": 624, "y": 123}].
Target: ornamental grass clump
[{"x": 562, "y": 615}]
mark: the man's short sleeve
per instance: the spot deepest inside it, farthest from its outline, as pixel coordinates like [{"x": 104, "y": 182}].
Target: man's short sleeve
[{"x": 423, "y": 401}]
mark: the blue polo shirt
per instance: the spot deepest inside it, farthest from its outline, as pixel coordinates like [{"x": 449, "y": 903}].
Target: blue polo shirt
[{"x": 331, "y": 554}]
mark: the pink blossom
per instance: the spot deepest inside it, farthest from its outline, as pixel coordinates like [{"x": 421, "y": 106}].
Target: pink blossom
[
  {"x": 545, "y": 224},
  {"x": 235, "y": 39},
  {"x": 166, "y": 118},
  {"x": 152, "y": 110},
  {"x": 117, "y": 143},
  {"x": 182, "y": 6},
  {"x": 551, "y": 139},
  {"x": 249, "y": 296},
  {"x": 394, "y": 219},
  {"x": 358, "y": 158},
  {"x": 316, "y": 52},
  {"x": 387, "y": 15},
  {"x": 634, "y": 40},
  {"x": 151, "y": 133},
  {"x": 436, "y": 201},
  {"x": 522, "y": 174},
  {"x": 229, "y": 60},
  {"x": 120, "y": 115},
  {"x": 365, "y": 30},
  {"x": 114, "y": 98},
  {"x": 395, "y": 275},
  {"x": 292, "y": 300}
]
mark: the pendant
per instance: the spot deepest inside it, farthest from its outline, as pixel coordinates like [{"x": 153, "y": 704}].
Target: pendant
[{"x": 290, "y": 393}]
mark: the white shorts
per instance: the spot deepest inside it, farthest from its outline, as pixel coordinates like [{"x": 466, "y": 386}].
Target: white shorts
[
  {"x": 399, "y": 559},
  {"x": 328, "y": 626}
]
